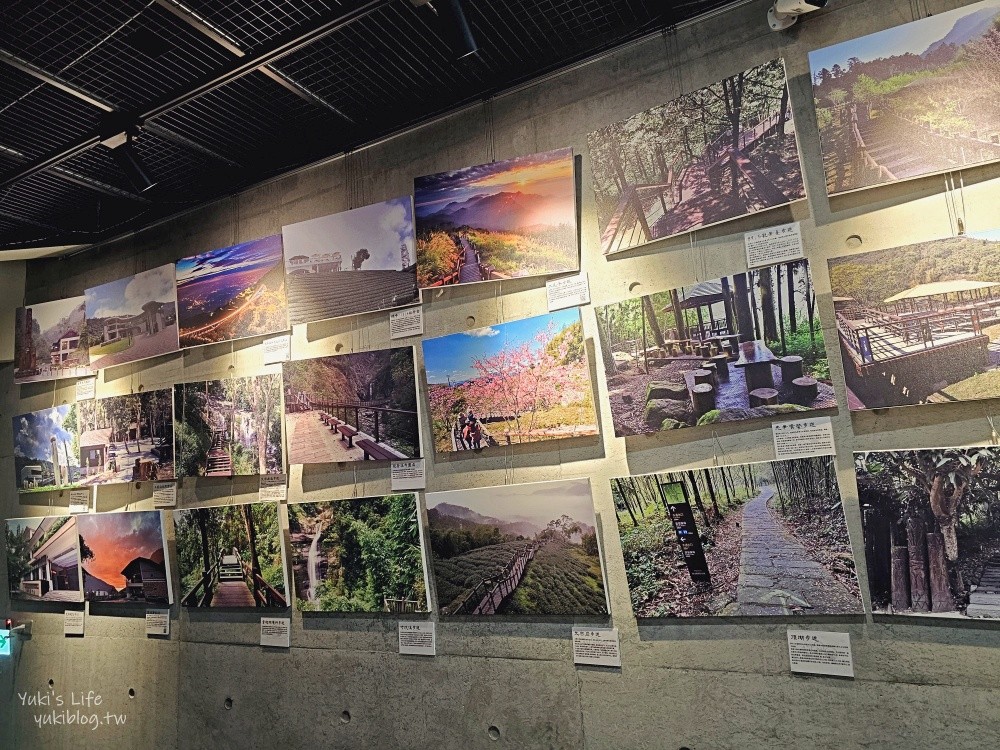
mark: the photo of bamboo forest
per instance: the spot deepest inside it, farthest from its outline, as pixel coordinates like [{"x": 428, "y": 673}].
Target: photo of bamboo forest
[
  {"x": 931, "y": 521},
  {"x": 231, "y": 556},
  {"x": 746, "y": 346},
  {"x": 745, "y": 540},
  {"x": 724, "y": 151},
  {"x": 358, "y": 555},
  {"x": 914, "y": 100}
]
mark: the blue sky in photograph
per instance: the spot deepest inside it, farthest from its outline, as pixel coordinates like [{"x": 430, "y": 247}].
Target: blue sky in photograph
[
  {"x": 32, "y": 433},
  {"x": 259, "y": 253},
  {"x": 452, "y": 355},
  {"x": 127, "y": 296}
]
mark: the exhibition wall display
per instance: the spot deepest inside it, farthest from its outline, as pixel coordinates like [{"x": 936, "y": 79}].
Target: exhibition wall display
[
  {"x": 50, "y": 341},
  {"x": 913, "y": 100}
]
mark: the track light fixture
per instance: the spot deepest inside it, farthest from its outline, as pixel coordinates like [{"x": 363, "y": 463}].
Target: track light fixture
[
  {"x": 784, "y": 13},
  {"x": 124, "y": 153}
]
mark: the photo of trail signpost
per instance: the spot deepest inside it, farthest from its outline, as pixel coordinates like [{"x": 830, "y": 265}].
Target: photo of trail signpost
[
  {"x": 497, "y": 221},
  {"x": 920, "y": 324},
  {"x": 50, "y": 341},
  {"x": 124, "y": 557},
  {"x": 228, "y": 427},
  {"x": 914, "y": 100},
  {"x": 43, "y": 559},
  {"x": 746, "y": 346},
  {"x": 232, "y": 293},
  {"x": 517, "y": 382},
  {"x": 46, "y": 449},
  {"x": 127, "y": 438},
  {"x": 745, "y": 540},
  {"x": 519, "y": 549},
  {"x": 724, "y": 151},
  {"x": 352, "y": 407},
  {"x": 231, "y": 556},
  {"x": 931, "y": 521},
  {"x": 358, "y": 555}
]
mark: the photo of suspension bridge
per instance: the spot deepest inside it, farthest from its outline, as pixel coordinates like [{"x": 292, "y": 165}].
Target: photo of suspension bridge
[
  {"x": 914, "y": 100},
  {"x": 358, "y": 555},
  {"x": 520, "y": 549},
  {"x": 718, "y": 153},
  {"x": 229, "y": 427},
  {"x": 352, "y": 407},
  {"x": 920, "y": 324},
  {"x": 748, "y": 540},
  {"x": 231, "y": 556}
]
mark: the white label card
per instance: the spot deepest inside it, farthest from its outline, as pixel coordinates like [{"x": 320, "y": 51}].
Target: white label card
[
  {"x": 274, "y": 487},
  {"x": 277, "y": 349},
  {"x": 820, "y": 652},
  {"x": 276, "y": 631},
  {"x": 86, "y": 388},
  {"x": 73, "y": 621},
  {"x": 406, "y": 322},
  {"x": 79, "y": 500},
  {"x": 417, "y": 638},
  {"x": 157, "y": 622},
  {"x": 164, "y": 494},
  {"x": 568, "y": 291},
  {"x": 780, "y": 244},
  {"x": 597, "y": 646},
  {"x": 803, "y": 438},
  {"x": 408, "y": 475}
]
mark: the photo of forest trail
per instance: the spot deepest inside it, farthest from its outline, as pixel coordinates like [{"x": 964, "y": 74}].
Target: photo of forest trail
[
  {"x": 358, "y": 555},
  {"x": 128, "y": 438},
  {"x": 528, "y": 549},
  {"x": 724, "y": 151},
  {"x": 747, "y": 346},
  {"x": 931, "y": 521},
  {"x": 914, "y": 100},
  {"x": 231, "y": 556},
  {"x": 745, "y": 540}
]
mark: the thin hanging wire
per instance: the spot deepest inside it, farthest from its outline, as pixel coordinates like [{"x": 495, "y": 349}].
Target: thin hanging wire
[{"x": 489, "y": 127}]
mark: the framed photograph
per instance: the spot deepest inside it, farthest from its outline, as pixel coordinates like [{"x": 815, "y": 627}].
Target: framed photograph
[
  {"x": 351, "y": 262},
  {"x": 46, "y": 449},
  {"x": 519, "y": 549},
  {"x": 498, "y": 221},
  {"x": 358, "y": 555},
  {"x": 124, "y": 558},
  {"x": 50, "y": 341},
  {"x": 914, "y": 100},
  {"x": 518, "y": 382},
  {"x": 719, "y": 153},
  {"x": 748, "y": 540},
  {"x": 43, "y": 559},
  {"x": 352, "y": 407}
]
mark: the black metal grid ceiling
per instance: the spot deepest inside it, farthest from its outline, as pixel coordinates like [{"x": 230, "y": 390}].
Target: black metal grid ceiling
[{"x": 229, "y": 92}]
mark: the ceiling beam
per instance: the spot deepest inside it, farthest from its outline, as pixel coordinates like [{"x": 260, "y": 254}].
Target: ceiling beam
[
  {"x": 78, "y": 179},
  {"x": 33, "y": 70}
]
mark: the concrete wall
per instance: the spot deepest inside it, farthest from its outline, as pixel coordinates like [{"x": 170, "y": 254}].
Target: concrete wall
[{"x": 724, "y": 684}]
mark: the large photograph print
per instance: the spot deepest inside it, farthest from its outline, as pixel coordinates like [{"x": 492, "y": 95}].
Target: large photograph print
[
  {"x": 132, "y": 318},
  {"x": 745, "y": 540},
  {"x": 931, "y": 521},
  {"x": 46, "y": 449},
  {"x": 358, "y": 555},
  {"x": 233, "y": 293},
  {"x": 520, "y": 549},
  {"x": 719, "y": 153},
  {"x": 497, "y": 221},
  {"x": 127, "y": 438},
  {"x": 746, "y": 346},
  {"x": 352, "y": 262},
  {"x": 124, "y": 557},
  {"x": 43, "y": 559},
  {"x": 352, "y": 407},
  {"x": 229, "y": 427},
  {"x": 231, "y": 556},
  {"x": 50, "y": 341},
  {"x": 920, "y": 324},
  {"x": 914, "y": 100},
  {"x": 518, "y": 382}
]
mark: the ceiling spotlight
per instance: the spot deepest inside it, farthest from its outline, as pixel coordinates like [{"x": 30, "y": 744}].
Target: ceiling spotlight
[
  {"x": 784, "y": 13},
  {"x": 124, "y": 153},
  {"x": 455, "y": 25}
]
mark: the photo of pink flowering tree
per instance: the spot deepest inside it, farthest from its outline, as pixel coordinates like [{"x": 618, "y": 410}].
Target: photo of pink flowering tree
[{"x": 517, "y": 382}]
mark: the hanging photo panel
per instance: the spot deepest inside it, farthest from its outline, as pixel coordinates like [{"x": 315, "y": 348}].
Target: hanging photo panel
[
  {"x": 124, "y": 558},
  {"x": 358, "y": 555},
  {"x": 43, "y": 559},
  {"x": 232, "y": 293},
  {"x": 498, "y": 221},
  {"x": 133, "y": 318},
  {"x": 46, "y": 449},
  {"x": 351, "y": 262},
  {"x": 518, "y": 382},
  {"x": 746, "y": 346},
  {"x": 746, "y": 540},
  {"x": 231, "y": 556},
  {"x": 722, "y": 152},
  {"x": 914, "y": 100},
  {"x": 352, "y": 407},
  {"x": 518, "y": 549},
  {"x": 50, "y": 341},
  {"x": 920, "y": 324}
]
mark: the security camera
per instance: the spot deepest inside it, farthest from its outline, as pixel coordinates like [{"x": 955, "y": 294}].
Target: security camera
[{"x": 784, "y": 13}]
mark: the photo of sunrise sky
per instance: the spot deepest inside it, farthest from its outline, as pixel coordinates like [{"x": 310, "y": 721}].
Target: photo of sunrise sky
[{"x": 124, "y": 557}]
